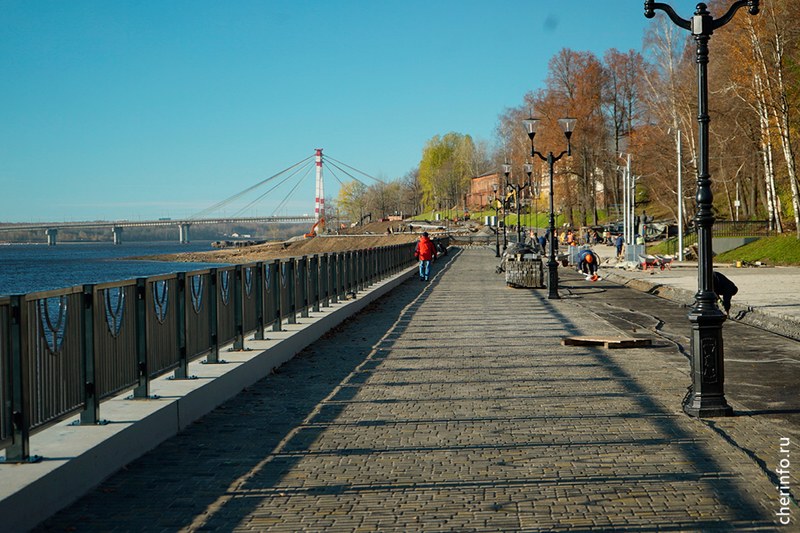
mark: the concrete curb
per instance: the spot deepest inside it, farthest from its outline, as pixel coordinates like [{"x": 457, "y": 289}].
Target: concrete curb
[
  {"x": 782, "y": 325},
  {"x": 77, "y": 459}
]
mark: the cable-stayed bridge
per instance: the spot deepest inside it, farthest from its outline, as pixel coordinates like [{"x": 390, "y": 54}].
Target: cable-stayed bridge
[{"x": 292, "y": 178}]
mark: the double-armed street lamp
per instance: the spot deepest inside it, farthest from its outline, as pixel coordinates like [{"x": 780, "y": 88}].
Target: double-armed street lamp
[
  {"x": 506, "y": 171},
  {"x": 517, "y": 189},
  {"x": 567, "y": 126},
  {"x": 707, "y": 396},
  {"x": 534, "y": 189},
  {"x": 497, "y": 221}
]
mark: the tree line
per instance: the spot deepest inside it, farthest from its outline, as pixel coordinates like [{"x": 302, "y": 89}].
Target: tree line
[{"x": 630, "y": 105}]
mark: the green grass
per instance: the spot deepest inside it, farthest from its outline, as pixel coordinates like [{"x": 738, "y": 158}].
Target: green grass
[{"x": 778, "y": 250}]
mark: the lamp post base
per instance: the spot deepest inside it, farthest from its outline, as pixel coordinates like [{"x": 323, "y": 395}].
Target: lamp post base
[
  {"x": 552, "y": 280},
  {"x": 707, "y": 406},
  {"x": 707, "y": 397}
]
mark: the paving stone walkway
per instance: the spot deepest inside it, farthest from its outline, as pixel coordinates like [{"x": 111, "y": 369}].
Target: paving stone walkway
[{"x": 450, "y": 406}]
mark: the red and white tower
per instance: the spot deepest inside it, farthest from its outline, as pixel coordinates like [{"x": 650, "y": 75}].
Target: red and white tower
[{"x": 319, "y": 207}]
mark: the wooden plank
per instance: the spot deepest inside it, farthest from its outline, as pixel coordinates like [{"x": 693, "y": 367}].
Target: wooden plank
[{"x": 606, "y": 342}]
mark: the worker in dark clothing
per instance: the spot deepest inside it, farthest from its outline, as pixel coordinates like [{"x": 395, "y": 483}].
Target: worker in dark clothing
[
  {"x": 618, "y": 242},
  {"x": 725, "y": 289},
  {"x": 587, "y": 263}
]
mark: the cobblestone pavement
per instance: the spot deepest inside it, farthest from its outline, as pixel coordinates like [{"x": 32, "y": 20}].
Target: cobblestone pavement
[{"x": 451, "y": 406}]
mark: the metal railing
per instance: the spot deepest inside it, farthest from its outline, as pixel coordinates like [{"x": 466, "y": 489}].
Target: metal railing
[
  {"x": 481, "y": 240},
  {"x": 722, "y": 228},
  {"x": 742, "y": 228},
  {"x": 63, "y": 352}
]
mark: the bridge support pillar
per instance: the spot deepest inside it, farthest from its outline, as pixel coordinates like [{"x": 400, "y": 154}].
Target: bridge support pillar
[
  {"x": 184, "y": 233},
  {"x": 51, "y": 233},
  {"x": 117, "y": 231}
]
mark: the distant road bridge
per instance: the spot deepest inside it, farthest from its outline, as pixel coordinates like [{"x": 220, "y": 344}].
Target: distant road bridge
[
  {"x": 52, "y": 229},
  {"x": 312, "y": 162}
]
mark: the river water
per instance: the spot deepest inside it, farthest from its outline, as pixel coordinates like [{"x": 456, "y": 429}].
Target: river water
[{"x": 28, "y": 268}]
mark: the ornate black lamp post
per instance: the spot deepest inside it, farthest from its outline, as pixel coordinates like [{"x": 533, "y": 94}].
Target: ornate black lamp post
[
  {"x": 517, "y": 188},
  {"x": 497, "y": 219},
  {"x": 535, "y": 186},
  {"x": 567, "y": 126},
  {"x": 707, "y": 398},
  {"x": 506, "y": 171}
]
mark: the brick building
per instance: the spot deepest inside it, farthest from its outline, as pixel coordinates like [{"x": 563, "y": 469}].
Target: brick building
[{"x": 481, "y": 190}]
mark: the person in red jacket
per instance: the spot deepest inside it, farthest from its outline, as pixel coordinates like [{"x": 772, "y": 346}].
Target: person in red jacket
[{"x": 425, "y": 252}]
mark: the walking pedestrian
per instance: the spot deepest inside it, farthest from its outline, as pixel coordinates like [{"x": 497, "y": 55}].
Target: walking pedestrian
[{"x": 425, "y": 252}]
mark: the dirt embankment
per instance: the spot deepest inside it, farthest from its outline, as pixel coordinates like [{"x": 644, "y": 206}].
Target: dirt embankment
[{"x": 267, "y": 252}]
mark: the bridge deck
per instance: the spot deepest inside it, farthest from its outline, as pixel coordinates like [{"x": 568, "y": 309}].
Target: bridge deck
[{"x": 448, "y": 406}]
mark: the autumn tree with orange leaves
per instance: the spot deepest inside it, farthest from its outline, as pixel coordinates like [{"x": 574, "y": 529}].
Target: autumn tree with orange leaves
[{"x": 635, "y": 102}]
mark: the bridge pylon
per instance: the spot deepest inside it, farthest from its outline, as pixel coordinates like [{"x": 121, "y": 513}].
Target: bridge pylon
[
  {"x": 319, "y": 204},
  {"x": 183, "y": 233}
]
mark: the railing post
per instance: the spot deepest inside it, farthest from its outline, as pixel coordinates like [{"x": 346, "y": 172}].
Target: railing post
[
  {"x": 356, "y": 287},
  {"x": 371, "y": 267},
  {"x": 142, "y": 390},
  {"x": 315, "y": 290},
  {"x": 325, "y": 278},
  {"x": 20, "y": 449},
  {"x": 348, "y": 272},
  {"x": 333, "y": 265},
  {"x": 291, "y": 285},
  {"x": 361, "y": 260},
  {"x": 302, "y": 272},
  {"x": 182, "y": 372},
  {"x": 91, "y": 413},
  {"x": 238, "y": 315},
  {"x": 258, "y": 291},
  {"x": 213, "y": 317},
  {"x": 275, "y": 282}
]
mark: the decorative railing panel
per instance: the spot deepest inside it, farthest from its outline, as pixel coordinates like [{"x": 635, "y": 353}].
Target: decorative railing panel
[
  {"x": 162, "y": 323},
  {"x": 251, "y": 297},
  {"x": 198, "y": 294},
  {"x": 114, "y": 324},
  {"x": 287, "y": 291},
  {"x": 300, "y": 288},
  {"x": 55, "y": 354},
  {"x": 271, "y": 277},
  {"x": 226, "y": 301}
]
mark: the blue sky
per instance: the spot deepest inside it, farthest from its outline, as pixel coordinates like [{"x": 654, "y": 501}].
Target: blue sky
[{"x": 139, "y": 110}]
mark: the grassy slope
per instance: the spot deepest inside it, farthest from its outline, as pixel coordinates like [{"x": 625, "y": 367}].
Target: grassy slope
[{"x": 780, "y": 250}]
